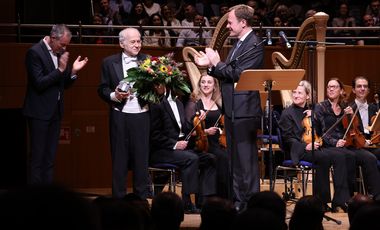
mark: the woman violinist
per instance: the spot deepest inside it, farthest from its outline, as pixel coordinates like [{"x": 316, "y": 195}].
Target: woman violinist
[
  {"x": 205, "y": 105},
  {"x": 329, "y": 114},
  {"x": 293, "y": 133}
]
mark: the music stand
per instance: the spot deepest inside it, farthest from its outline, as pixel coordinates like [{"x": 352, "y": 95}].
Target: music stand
[{"x": 268, "y": 80}]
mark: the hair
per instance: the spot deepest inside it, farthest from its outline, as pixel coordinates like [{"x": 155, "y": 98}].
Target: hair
[
  {"x": 244, "y": 12},
  {"x": 123, "y": 34},
  {"x": 360, "y": 77},
  {"x": 308, "y": 89},
  {"x": 216, "y": 95},
  {"x": 59, "y": 30}
]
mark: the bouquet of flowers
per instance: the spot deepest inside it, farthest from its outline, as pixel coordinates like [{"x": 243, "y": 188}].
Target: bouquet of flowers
[{"x": 155, "y": 72}]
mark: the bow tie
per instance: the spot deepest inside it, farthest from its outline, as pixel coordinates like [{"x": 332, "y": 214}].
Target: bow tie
[{"x": 129, "y": 59}]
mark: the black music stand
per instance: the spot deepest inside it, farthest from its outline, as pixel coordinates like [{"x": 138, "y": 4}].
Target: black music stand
[{"x": 268, "y": 80}]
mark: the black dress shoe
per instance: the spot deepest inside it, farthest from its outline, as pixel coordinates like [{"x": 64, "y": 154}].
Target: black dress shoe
[{"x": 191, "y": 209}]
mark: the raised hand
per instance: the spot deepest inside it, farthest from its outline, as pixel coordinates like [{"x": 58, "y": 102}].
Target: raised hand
[{"x": 79, "y": 64}]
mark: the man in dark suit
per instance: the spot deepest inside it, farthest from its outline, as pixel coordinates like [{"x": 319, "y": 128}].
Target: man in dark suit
[
  {"x": 169, "y": 145},
  {"x": 129, "y": 118},
  {"x": 48, "y": 75},
  {"x": 242, "y": 109}
]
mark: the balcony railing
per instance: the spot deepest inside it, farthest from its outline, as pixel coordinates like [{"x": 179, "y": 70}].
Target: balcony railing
[{"x": 17, "y": 32}]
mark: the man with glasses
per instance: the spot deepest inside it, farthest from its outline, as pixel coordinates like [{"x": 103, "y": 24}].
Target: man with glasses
[{"x": 49, "y": 73}]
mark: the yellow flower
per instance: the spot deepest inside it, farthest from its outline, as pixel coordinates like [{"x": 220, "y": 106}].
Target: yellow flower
[{"x": 163, "y": 68}]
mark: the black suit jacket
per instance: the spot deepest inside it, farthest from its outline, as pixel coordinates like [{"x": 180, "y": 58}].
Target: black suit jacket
[
  {"x": 164, "y": 126},
  {"x": 45, "y": 83},
  {"x": 246, "y": 103},
  {"x": 111, "y": 75}
]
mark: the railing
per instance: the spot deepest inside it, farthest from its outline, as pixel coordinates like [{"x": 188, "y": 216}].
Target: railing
[{"x": 17, "y": 32}]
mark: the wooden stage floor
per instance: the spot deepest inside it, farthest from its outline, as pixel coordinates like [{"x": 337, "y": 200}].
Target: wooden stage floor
[{"x": 192, "y": 221}]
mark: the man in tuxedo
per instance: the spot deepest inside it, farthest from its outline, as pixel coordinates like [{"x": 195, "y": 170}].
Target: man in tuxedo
[
  {"x": 169, "y": 145},
  {"x": 49, "y": 73},
  {"x": 128, "y": 118},
  {"x": 361, "y": 89},
  {"x": 242, "y": 109}
]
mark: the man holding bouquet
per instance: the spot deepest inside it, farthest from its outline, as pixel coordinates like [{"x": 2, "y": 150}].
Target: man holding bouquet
[{"x": 129, "y": 117}]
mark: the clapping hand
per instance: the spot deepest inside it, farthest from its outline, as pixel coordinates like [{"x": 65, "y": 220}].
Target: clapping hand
[{"x": 79, "y": 64}]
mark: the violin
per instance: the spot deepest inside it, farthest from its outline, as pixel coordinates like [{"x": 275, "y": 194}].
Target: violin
[
  {"x": 222, "y": 136},
  {"x": 307, "y": 134},
  {"x": 201, "y": 141},
  {"x": 353, "y": 136}
]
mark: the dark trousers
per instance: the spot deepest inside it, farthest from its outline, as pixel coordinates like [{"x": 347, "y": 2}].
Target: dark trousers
[
  {"x": 44, "y": 137},
  {"x": 129, "y": 135}
]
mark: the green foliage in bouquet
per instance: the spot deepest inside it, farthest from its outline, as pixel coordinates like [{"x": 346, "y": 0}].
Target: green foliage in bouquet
[{"x": 154, "y": 71}]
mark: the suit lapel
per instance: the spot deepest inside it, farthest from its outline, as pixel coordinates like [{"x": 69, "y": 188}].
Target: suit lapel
[
  {"x": 170, "y": 112},
  {"x": 47, "y": 55},
  {"x": 118, "y": 67}
]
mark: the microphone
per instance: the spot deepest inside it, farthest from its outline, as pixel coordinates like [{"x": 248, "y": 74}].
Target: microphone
[
  {"x": 285, "y": 39},
  {"x": 269, "y": 36}
]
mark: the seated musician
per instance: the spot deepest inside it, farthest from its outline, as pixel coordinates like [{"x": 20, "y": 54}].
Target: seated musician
[
  {"x": 169, "y": 144},
  {"x": 361, "y": 89},
  {"x": 206, "y": 98},
  {"x": 299, "y": 144},
  {"x": 333, "y": 116}
]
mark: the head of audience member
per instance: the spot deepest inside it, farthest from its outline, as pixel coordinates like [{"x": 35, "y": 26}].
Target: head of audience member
[
  {"x": 307, "y": 214},
  {"x": 310, "y": 13},
  {"x": 200, "y": 21},
  {"x": 118, "y": 214},
  {"x": 138, "y": 14},
  {"x": 258, "y": 218},
  {"x": 375, "y": 7},
  {"x": 214, "y": 20},
  {"x": 189, "y": 12},
  {"x": 271, "y": 201},
  {"x": 368, "y": 20},
  {"x": 47, "y": 207},
  {"x": 343, "y": 11},
  {"x": 355, "y": 203},
  {"x": 367, "y": 217},
  {"x": 167, "y": 211},
  {"x": 156, "y": 20},
  {"x": 130, "y": 41},
  {"x": 217, "y": 214},
  {"x": 376, "y": 97},
  {"x": 167, "y": 12},
  {"x": 223, "y": 8},
  {"x": 240, "y": 20},
  {"x": 282, "y": 11},
  {"x": 277, "y": 22},
  {"x": 142, "y": 207}
]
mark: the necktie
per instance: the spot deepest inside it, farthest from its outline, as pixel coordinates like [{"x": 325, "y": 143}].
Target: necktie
[{"x": 235, "y": 49}]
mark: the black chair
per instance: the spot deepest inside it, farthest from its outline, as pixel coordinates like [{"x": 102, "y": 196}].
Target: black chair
[{"x": 163, "y": 168}]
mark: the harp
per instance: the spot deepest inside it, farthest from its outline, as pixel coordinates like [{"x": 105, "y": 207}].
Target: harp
[
  {"x": 312, "y": 29},
  {"x": 219, "y": 36}
]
